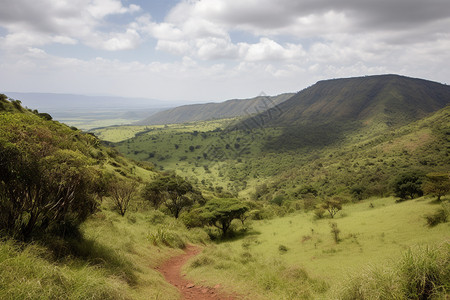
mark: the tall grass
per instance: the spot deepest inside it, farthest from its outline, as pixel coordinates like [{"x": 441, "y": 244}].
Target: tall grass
[
  {"x": 422, "y": 273},
  {"x": 25, "y": 273}
]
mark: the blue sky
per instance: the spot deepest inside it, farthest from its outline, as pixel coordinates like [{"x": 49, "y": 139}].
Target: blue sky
[{"x": 213, "y": 50}]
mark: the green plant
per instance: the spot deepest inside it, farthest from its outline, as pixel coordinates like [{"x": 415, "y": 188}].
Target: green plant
[
  {"x": 422, "y": 273},
  {"x": 408, "y": 185},
  {"x": 440, "y": 216},
  {"x": 333, "y": 206},
  {"x": 335, "y": 231},
  {"x": 282, "y": 248},
  {"x": 166, "y": 237},
  {"x": 221, "y": 212}
]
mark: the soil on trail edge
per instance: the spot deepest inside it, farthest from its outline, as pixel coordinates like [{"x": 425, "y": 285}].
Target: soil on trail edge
[{"x": 171, "y": 270}]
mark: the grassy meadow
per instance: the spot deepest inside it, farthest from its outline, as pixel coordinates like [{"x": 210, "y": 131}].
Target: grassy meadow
[{"x": 296, "y": 257}]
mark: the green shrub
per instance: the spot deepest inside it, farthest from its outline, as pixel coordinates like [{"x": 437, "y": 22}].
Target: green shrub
[
  {"x": 438, "y": 217},
  {"x": 319, "y": 213},
  {"x": 282, "y": 248}
]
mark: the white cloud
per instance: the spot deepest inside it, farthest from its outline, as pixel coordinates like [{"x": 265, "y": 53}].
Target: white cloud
[{"x": 37, "y": 23}]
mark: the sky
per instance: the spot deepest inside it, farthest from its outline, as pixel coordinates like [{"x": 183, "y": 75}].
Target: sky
[{"x": 213, "y": 50}]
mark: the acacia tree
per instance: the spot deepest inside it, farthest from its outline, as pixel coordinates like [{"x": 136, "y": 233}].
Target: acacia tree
[
  {"x": 332, "y": 205},
  {"x": 176, "y": 193},
  {"x": 221, "y": 212},
  {"x": 437, "y": 184},
  {"x": 122, "y": 191}
]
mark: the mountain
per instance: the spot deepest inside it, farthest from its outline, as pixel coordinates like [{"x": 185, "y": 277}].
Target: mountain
[
  {"x": 325, "y": 112},
  {"x": 210, "y": 111}
]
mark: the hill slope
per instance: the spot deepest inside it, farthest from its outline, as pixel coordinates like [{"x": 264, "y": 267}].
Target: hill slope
[
  {"x": 392, "y": 99},
  {"x": 210, "y": 111},
  {"x": 325, "y": 112}
]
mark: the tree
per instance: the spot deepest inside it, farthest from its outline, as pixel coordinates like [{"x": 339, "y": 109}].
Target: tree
[
  {"x": 43, "y": 192},
  {"x": 437, "y": 184},
  {"x": 408, "y": 185},
  {"x": 332, "y": 205},
  {"x": 221, "y": 212},
  {"x": 176, "y": 193},
  {"x": 122, "y": 191}
]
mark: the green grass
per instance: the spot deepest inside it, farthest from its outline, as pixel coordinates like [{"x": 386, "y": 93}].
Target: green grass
[
  {"x": 116, "y": 259},
  {"x": 27, "y": 273},
  {"x": 375, "y": 236}
]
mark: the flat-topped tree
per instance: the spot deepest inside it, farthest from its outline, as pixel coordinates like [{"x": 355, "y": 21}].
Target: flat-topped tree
[
  {"x": 437, "y": 184},
  {"x": 221, "y": 212},
  {"x": 176, "y": 193}
]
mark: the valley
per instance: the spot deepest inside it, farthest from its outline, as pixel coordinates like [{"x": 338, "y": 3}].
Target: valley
[{"x": 339, "y": 191}]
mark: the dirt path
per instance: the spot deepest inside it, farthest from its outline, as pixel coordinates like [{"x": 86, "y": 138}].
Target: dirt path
[{"x": 171, "y": 270}]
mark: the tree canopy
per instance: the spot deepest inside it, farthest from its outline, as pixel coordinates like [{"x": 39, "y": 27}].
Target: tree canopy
[
  {"x": 221, "y": 212},
  {"x": 173, "y": 191}
]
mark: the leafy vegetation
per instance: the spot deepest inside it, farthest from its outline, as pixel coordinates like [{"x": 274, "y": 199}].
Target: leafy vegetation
[{"x": 264, "y": 189}]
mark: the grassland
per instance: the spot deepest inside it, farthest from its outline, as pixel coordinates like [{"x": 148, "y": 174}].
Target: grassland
[
  {"x": 116, "y": 259},
  {"x": 296, "y": 257}
]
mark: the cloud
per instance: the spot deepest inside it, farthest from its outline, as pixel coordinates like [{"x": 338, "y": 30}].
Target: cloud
[{"x": 36, "y": 23}]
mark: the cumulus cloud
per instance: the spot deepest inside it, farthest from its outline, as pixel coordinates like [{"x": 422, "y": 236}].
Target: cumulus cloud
[
  {"x": 36, "y": 23},
  {"x": 250, "y": 44}
]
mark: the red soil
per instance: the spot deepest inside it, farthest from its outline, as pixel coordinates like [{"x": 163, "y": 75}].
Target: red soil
[{"x": 171, "y": 270}]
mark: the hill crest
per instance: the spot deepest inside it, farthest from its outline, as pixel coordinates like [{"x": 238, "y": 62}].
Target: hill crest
[{"x": 210, "y": 111}]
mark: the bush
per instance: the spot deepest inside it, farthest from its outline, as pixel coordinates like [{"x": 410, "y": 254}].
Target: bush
[
  {"x": 319, "y": 213},
  {"x": 440, "y": 216}
]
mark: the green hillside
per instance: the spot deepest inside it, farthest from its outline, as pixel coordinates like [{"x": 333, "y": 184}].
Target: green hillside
[
  {"x": 354, "y": 205},
  {"x": 211, "y": 111},
  {"x": 323, "y": 113}
]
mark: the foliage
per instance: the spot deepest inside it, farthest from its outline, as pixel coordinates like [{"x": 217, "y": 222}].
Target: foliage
[
  {"x": 122, "y": 191},
  {"x": 408, "y": 185},
  {"x": 332, "y": 205},
  {"x": 440, "y": 216},
  {"x": 45, "y": 180},
  {"x": 221, "y": 212},
  {"x": 176, "y": 193},
  {"x": 437, "y": 184},
  {"x": 422, "y": 273},
  {"x": 335, "y": 231}
]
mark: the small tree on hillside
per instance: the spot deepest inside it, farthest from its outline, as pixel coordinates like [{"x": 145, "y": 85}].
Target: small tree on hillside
[
  {"x": 221, "y": 212},
  {"x": 332, "y": 205},
  {"x": 122, "y": 191},
  {"x": 437, "y": 184}
]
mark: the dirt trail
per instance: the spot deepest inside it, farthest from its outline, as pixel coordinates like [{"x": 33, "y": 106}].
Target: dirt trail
[{"x": 171, "y": 270}]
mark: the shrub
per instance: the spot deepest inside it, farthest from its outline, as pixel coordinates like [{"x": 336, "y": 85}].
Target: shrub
[
  {"x": 335, "y": 231},
  {"x": 282, "y": 248},
  {"x": 440, "y": 216},
  {"x": 319, "y": 213}
]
